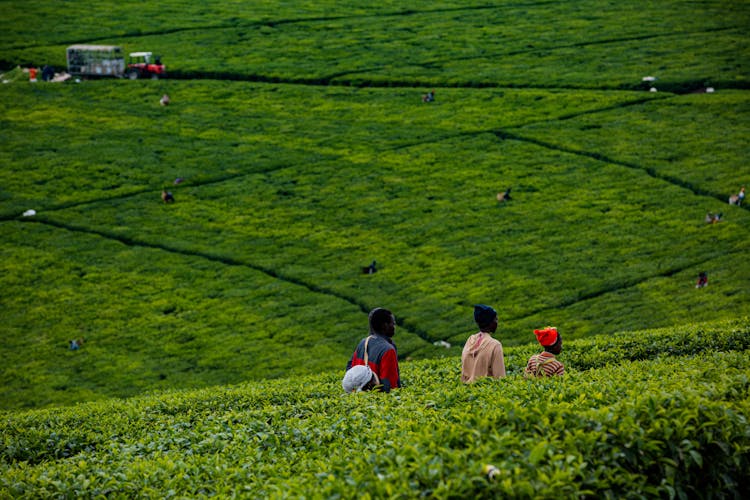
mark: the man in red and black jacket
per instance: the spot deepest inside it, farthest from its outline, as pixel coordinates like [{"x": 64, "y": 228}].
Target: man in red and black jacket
[{"x": 381, "y": 354}]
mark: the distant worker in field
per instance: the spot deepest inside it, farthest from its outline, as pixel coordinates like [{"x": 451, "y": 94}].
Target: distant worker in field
[
  {"x": 545, "y": 364},
  {"x": 501, "y": 197},
  {"x": 482, "y": 355},
  {"x": 32, "y": 74},
  {"x": 164, "y": 101},
  {"x": 429, "y": 96},
  {"x": 371, "y": 269},
  {"x": 702, "y": 280},
  {"x": 737, "y": 199},
  {"x": 713, "y": 219},
  {"x": 378, "y": 352},
  {"x": 167, "y": 197},
  {"x": 48, "y": 73},
  {"x": 75, "y": 344}
]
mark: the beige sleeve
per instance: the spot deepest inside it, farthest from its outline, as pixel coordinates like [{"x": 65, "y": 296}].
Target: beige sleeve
[{"x": 498, "y": 362}]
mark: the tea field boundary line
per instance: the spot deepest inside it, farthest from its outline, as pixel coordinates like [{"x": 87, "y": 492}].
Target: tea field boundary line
[
  {"x": 505, "y": 135},
  {"x": 624, "y": 286},
  {"x": 218, "y": 180},
  {"x": 676, "y": 181},
  {"x": 130, "y": 194},
  {"x": 501, "y": 134},
  {"x": 605, "y": 41},
  {"x": 402, "y": 13},
  {"x": 569, "y": 116},
  {"x": 229, "y": 261},
  {"x": 275, "y": 22},
  {"x": 331, "y": 80},
  {"x": 607, "y": 290}
]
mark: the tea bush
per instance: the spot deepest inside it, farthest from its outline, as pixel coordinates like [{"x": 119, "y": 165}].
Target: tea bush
[{"x": 612, "y": 428}]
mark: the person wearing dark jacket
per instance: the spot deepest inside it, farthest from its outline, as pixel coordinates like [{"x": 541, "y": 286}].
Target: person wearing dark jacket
[{"x": 378, "y": 351}]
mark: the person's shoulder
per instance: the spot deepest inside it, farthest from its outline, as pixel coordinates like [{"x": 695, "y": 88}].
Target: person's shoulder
[
  {"x": 496, "y": 342},
  {"x": 379, "y": 339},
  {"x": 471, "y": 338}
]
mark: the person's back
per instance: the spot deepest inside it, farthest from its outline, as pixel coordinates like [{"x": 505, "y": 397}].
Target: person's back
[
  {"x": 482, "y": 355},
  {"x": 378, "y": 351},
  {"x": 544, "y": 364}
]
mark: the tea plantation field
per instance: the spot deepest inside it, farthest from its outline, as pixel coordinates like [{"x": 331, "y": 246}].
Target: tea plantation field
[
  {"x": 649, "y": 414},
  {"x": 304, "y": 152},
  {"x": 298, "y": 150}
]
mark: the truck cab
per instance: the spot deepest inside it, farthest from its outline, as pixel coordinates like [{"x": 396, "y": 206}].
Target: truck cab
[{"x": 145, "y": 65}]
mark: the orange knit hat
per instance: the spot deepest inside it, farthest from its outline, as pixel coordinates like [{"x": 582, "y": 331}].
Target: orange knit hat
[{"x": 546, "y": 337}]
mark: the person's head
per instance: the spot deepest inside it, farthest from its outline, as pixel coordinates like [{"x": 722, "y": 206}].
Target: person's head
[
  {"x": 382, "y": 322},
  {"x": 550, "y": 339},
  {"x": 486, "y": 318},
  {"x": 359, "y": 378}
]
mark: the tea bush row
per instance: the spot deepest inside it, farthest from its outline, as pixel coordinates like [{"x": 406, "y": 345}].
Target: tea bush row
[
  {"x": 106, "y": 139},
  {"x": 451, "y": 248},
  {"x": 287, "y": 191},
  {"x": 576, "y": 44},
  {"x": 579, "y": 356},
  {"x": 629, "y": 428}
]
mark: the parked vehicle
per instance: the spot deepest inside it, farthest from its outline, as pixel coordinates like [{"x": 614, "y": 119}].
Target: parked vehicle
[
  {"x": 95, "y": 60},
  {"x": 145, "y": 65},
  {"x": 109, "y": 60}
]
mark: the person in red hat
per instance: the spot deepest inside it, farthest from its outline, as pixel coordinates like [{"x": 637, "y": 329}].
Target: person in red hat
[{"x": 545, "y": 364}]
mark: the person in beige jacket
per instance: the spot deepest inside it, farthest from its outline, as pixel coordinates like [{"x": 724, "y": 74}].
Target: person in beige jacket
[{"x": 483, "y": 355}]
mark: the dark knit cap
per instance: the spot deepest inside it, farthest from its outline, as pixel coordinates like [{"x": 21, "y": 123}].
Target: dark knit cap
[{"x": 484, "y": 315}]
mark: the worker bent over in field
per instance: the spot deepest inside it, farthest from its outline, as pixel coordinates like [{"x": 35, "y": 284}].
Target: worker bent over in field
[
  {"x": 378, "y": 352},
  {"x": 483, "y": 355},
  {"x": 545, "y": 364}
]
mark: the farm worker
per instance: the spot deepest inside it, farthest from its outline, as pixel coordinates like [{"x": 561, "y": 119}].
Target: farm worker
[
  {"x": 32, "y": 74},
  {"x": 377, "y": 351},
  {"x": 482, "y": 355},
  {"x": 702, "y": 280},
  {"x": 359, "y": 378},
  {"x": 545, "y": 364},
  {"x": 48, "y": 73}
]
